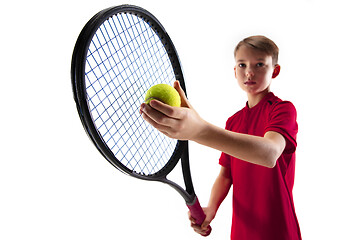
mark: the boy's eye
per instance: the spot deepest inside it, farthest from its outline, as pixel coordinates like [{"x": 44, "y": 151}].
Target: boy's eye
[
  {"x": 260, "y": 64},
  {"x": 242, "y": 65}
]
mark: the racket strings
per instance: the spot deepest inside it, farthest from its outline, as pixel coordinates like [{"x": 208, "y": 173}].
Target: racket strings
[{"x": 124, "y": 59}]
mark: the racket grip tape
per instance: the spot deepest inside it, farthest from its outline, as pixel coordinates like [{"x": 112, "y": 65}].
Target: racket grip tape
[{"x": 198, "y": 214}]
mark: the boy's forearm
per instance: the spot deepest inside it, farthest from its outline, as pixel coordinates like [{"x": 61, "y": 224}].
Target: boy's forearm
[
  {"x": 219, "y": 191},
  {"x": 254, "y": 149}
]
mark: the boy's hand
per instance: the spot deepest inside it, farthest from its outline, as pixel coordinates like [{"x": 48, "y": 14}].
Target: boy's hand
[
  {"x": 181, "y": 123},
  {"x": 203, "y": 229}
]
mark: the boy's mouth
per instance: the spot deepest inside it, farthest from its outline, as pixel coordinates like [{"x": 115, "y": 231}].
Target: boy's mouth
[{"x": 250, "y": 83}]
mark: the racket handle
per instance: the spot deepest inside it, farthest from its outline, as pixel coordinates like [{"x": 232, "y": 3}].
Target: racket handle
[{"x": 198, "y": 214}]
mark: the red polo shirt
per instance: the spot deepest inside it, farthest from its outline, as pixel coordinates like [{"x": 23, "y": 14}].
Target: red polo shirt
[{"x": 263, "y": 207}]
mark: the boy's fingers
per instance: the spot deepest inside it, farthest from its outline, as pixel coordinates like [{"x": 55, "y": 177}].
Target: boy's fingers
[
  {"x": 172, "y": 112},
  {"x": 192, "y": 220},
  {"x": 156, "y": 119},
  {"x": 205, "y": 225},
  {"x": 184, "y": 101}
]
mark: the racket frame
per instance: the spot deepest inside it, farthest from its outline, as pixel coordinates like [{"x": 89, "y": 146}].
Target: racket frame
[{"x": 80, "y": 97}]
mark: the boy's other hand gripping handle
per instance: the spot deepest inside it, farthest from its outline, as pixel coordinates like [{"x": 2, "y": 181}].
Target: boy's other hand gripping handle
[{"x": 198, "y": 214}]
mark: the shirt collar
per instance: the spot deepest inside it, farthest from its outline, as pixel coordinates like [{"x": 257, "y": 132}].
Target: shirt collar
[{"x": 262, "y": 101}]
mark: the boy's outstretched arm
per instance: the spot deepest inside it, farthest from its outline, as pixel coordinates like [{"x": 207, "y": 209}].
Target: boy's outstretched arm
[
  {"x": 185, "y": 124},
  {"x": 219, "y": 191}
]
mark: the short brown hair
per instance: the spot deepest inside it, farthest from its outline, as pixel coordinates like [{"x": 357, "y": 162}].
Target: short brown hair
[{"x": 262, "y": 44}]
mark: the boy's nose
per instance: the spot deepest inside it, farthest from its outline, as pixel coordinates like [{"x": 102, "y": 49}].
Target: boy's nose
[{"x": 249, "y": 73}]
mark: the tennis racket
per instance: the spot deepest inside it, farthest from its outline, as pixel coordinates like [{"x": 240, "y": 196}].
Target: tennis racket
[{"x": 120, "y": 53}]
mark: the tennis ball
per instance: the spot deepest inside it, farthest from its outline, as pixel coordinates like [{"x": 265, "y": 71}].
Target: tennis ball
[{"x": 164, "y": 93}]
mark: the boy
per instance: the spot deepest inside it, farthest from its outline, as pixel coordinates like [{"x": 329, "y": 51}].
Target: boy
[{"x": 258, "y": 148}]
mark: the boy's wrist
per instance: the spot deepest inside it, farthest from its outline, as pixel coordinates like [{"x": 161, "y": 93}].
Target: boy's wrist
[
  {"x": 212, "y": 210},
  {"x": 204, "y": 133}
]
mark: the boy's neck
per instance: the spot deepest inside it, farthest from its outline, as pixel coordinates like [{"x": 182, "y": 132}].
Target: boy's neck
[{"x": 254, "y": 99}]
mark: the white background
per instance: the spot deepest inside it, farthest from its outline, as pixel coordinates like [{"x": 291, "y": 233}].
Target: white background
[{"x": 55, "y": 185}]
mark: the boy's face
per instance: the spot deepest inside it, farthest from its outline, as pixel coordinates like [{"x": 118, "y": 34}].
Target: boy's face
[{"x": 254, "y": 70}]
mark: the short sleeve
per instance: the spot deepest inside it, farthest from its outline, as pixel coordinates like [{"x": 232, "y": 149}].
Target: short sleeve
[
  {"x": 282, "y": 119},
  {"x": 225, "y": 160}
]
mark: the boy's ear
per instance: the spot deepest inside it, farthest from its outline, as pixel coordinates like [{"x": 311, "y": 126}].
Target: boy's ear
[
  {"x": 235, "y": 71},
  {"x": 276, "y": 71}
]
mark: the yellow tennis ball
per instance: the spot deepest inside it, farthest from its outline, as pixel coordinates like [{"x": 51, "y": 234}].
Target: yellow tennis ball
[{"x": 164, "y": 93}]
